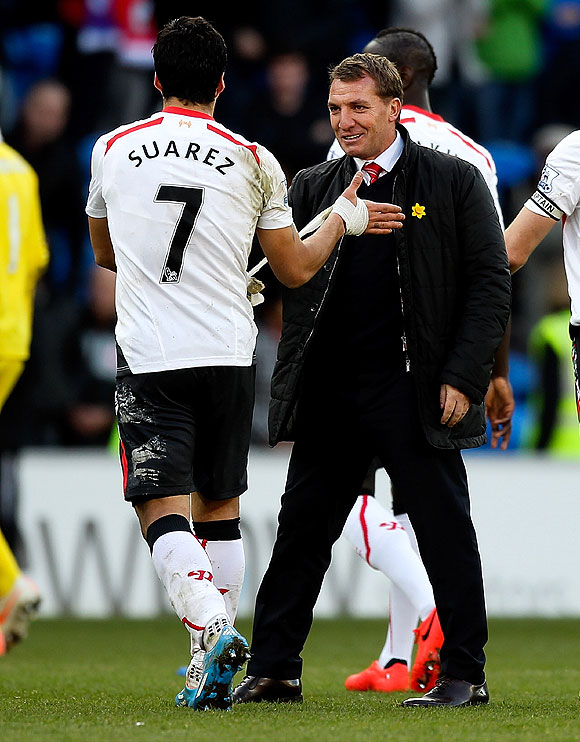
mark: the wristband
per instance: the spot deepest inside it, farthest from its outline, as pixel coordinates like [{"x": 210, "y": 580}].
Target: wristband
[{"x": 355, "y": 218}]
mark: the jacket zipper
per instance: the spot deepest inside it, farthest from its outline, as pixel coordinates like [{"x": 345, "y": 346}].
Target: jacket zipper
[
  {"x": 339, "y": 246},
  {"x": 404, "y": 334},
  {"x": 307, "y": 341}
]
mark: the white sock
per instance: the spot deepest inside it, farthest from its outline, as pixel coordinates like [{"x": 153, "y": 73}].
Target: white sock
[
  {"x": 405, "y": 522},
  {"x": 400, "y": 639},
  {"x": 228, "y": 564},
  {"x": 380, "y": 539},
  {"x": 186, "y": 573}
]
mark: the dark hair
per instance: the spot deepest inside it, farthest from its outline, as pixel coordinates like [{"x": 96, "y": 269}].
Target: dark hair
[
  {"x": 406, "y": 48},
  {"x": 376, "y": 66},
  {"x": 190, "y": 57}
]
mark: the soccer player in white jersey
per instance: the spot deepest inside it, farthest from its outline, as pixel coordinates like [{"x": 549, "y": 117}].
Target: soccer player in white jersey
[
  {"x": 174, "y": 202},
  {"x": 557, "y": 197},
  {"x": 388, "y": 543}
]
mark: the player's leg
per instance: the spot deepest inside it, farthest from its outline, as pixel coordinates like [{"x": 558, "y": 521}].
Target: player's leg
[
  {"x": 217, "y": 526},
  {"x": 223, "y": 412},
  {"x": 400, "y": 638},
  {"x": 157, "y": 439},
  {"x": 428, "y": 635},
  {"x": 381, "y": 540}
]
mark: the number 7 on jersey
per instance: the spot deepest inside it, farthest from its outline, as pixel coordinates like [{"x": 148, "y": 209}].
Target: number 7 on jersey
[{"x": 191, "y": 198}]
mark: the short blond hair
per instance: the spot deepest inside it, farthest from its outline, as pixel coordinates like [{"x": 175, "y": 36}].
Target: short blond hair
[{"x": 379, "y": 68}]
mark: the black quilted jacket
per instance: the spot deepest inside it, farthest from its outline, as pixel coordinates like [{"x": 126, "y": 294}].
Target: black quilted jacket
[{"x": 455, "y": 285}]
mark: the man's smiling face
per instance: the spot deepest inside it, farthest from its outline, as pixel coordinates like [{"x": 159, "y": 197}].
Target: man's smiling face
[{"x": 363, "y": 122}]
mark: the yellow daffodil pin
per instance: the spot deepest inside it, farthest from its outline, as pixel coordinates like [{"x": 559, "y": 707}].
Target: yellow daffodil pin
[{"x": 418, "y": 211}]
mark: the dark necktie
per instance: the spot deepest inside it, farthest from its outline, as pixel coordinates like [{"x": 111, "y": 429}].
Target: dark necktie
[{"x": 373, "y": 170}]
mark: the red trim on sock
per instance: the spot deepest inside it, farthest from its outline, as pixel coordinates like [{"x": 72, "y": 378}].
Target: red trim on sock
[{"x": 365, "y": 528}]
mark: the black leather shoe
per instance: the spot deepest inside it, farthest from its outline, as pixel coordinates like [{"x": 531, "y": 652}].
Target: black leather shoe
[
  {"x": 253, "y": 690},
  {"x": 450, "y": 691}
]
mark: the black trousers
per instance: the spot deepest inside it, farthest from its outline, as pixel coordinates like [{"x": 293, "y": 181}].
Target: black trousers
[{"x": 336, "y": 441}]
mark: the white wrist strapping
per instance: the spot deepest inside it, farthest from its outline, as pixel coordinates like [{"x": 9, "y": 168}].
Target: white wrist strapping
[{"x": 355, "y": 218}]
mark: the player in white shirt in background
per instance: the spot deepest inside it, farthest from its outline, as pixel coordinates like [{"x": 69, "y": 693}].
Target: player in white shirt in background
[
  {"x": 557, "y": 197},
  {"x": 174, "y": 202},
  {"x": 386, "y": 539}
]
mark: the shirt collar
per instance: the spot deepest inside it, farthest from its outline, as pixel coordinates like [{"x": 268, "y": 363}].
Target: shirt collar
[
  {"x": 187, "y": 112},
  {"x": 387, "y": 159}
]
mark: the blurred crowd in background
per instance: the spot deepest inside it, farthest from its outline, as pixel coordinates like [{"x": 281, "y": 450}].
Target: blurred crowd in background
[{"x": 508, "y": 74}]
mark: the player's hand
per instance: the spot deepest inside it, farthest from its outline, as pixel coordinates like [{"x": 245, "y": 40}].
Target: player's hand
[
  {"x": 499, "y": 408},
  {"x": 454, "y": 405},
  {"x": 383, "y": 217}
]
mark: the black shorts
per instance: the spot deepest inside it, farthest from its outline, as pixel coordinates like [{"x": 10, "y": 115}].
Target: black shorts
[{"x": 184, "y": 431}]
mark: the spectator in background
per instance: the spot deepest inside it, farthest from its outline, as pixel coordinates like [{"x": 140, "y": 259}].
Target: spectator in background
[
  {"x": 41, "y": 136},
  {"x": 32, "y": 42},
  {"x": 511, "y": 51},
  {"x": 286, "y": 117}
]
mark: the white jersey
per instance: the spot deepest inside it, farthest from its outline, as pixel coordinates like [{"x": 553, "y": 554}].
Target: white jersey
[
  {"x": 430, "y": 130},
  {"x": 183, "y": 196},
  {"x": 558, "y": 197}
]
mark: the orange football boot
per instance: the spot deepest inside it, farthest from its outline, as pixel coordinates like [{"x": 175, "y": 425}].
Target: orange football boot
[
  {"x": 384, "y": 680},
  {"x": 427, "y": 665}
]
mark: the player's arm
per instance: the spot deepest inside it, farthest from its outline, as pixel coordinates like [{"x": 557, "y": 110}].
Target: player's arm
[
  {"x": 524, "y": 234},
  {"x": 101, "y": 243},
  {"x": 294, "y": 261}
]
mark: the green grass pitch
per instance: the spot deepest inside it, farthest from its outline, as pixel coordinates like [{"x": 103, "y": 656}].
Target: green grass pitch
[{"x": 95, "y": 681}]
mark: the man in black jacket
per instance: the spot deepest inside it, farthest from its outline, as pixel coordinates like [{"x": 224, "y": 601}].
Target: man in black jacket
[{"x": 426, "y": 308}]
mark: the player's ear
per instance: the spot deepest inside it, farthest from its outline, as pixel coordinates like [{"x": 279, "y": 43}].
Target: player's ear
[
  {"x": 221, "y": 86},
  {"x": 157, "y": 84}
]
